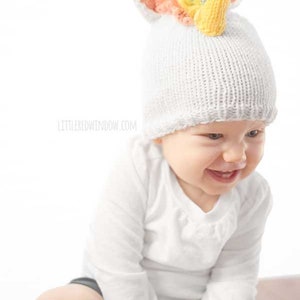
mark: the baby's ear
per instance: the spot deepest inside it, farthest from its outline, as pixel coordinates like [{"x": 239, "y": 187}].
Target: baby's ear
[
  {"x": 234, "y": 3},
  {"x": 148, "y": 9},
  {"x": 157, "y": 141}
]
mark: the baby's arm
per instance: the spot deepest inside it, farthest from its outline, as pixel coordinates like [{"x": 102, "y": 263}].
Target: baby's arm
[
  {"x": 235, "y": 274},
  {"x": 114, "y": 249},
  {"x": 71, "y": 291}
]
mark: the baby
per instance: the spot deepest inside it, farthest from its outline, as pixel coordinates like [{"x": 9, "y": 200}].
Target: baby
[{"x": 183, "y": 211}]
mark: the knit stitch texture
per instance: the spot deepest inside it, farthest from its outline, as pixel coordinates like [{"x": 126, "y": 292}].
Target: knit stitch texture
[{"x": 189, "y": 78}]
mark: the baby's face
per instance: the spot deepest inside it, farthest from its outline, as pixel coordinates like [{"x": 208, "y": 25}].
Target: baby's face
[{"x": 212, "y": 158}]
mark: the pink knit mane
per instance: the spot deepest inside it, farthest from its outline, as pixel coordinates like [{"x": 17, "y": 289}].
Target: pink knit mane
[{"x": 169, "y": 7}]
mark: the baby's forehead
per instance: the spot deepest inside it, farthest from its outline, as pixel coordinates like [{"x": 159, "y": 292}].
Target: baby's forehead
[{"x": 228, "y": 125}]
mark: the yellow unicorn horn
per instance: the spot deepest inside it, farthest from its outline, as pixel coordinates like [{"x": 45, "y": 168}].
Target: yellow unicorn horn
[{"x": 209, "y": 15}]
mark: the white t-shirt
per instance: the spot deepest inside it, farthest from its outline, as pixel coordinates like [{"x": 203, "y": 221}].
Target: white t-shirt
[{"x": 149, "y": 241}]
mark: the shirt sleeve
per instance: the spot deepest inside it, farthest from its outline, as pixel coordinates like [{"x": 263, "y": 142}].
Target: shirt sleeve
[
  {"x": 115, "y": 243},
  {"x": 234, "y": 277}
]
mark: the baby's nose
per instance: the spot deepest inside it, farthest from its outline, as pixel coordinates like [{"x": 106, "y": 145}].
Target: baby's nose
[{"x": 235, "y": 154}]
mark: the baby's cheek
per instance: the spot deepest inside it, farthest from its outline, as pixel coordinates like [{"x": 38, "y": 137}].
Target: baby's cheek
[
  {"x": 255, "y": 153},
  {"x": 254, "y": 156}
]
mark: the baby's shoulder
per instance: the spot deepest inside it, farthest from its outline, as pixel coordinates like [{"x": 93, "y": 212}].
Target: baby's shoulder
[
  {"x": 144, "y": 154},
  {"x": 254, "y": 182},
  {"x": 143, "y": 149},
  {"x": 254, "y": 191}
]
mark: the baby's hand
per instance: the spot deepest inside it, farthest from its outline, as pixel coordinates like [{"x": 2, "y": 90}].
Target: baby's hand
[{"x": 70, "y": 292}]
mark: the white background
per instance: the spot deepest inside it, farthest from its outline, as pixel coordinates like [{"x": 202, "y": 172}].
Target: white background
[{"x": 79, "y": 60}]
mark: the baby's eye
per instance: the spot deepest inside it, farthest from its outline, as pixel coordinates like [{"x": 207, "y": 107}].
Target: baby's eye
[
  {"x": 253, "y": 133},
  {"x": 214, "y": 136}
]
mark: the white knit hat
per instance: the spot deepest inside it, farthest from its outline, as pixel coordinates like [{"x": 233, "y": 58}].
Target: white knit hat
[{"x": 190, "y": 78}]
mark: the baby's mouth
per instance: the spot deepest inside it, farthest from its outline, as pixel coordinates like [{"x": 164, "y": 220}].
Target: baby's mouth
[{"x": 224, "y": 176}]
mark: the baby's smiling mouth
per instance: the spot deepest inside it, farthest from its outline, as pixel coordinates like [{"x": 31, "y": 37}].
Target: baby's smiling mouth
[{"x": 225, "y": 176}]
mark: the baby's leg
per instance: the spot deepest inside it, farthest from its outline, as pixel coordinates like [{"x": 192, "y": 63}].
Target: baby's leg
[{"x": 72, "y": 291}]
